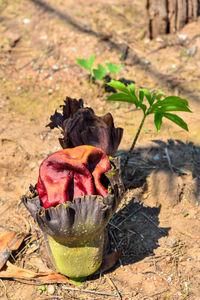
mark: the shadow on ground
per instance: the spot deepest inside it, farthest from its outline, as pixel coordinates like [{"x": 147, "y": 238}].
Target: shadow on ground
[
  {"x": 167, "y": 171},
  {"x": 174, "y": 157},
  {"x": 135, "y": 231}
]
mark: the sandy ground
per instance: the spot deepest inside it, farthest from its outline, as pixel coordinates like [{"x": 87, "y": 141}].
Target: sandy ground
[{"x": 159, "y": 239}]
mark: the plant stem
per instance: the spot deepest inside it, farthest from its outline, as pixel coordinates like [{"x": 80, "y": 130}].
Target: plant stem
[{"x": 133, "y": 144}]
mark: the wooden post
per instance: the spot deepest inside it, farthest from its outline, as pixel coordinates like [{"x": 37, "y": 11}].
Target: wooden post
[{"x": 169, "y": 16}]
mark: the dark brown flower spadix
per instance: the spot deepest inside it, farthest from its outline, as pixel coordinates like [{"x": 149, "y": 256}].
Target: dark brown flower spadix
[
  {"x": 79, "y": 190},
  {"x": 80, "y": 126}
]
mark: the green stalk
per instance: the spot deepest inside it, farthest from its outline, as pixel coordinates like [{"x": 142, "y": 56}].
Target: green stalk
[{"x": 134, "y": 142}]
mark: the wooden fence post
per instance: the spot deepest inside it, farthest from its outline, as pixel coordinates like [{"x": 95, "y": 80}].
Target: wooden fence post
[{"x": 169, "y": 16}]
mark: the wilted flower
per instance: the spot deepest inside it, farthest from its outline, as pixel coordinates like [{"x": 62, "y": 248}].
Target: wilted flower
[
  {"x": 79, "y": 190},
  {"x": 80, "y": 126}
]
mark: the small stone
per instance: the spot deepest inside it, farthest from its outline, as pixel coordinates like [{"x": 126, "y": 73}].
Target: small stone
[
  {"x": 26, "y": 21},
  {"x": 86, "y": 24},
  {"x": 172, "y": 242},
  {"x": 182, "y": 36},
  {"x": 191, "y": 51},
  {"x": 156, "y": 157},
  {"x": 55, "y": 67},
  {"x": 43, "y": 37},
  {"x": 169, "y": 278},
  {"x": 159, "y": 40},
  {"x": 50, "y": 290}
]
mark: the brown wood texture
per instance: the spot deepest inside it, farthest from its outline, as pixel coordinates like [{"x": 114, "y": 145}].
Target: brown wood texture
[
  {"x": 169, "y": 16},
  {"x": 181, "y": 14}
]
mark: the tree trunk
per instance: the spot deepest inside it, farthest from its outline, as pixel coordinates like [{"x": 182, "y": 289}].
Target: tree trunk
[{"x": 169, "y": 16}]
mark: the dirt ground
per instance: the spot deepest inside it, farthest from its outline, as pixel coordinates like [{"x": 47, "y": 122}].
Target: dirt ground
[{"x": 158, "y": 225}]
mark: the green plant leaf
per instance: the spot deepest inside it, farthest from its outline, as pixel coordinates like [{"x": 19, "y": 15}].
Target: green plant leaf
[
  {"x": 113, "y": 68},
  {"x": 141, "y": 96},
  {"x": 158, "y": 120},
  {"x": 132, "y": 94},
  {"x": 100, "y": 72},
  {"x": 147, "y": 95},
  {"x": 177, "y": 120},
  {"x": 174, "y": 100},
  {"x": 132, "y": 88},
  {"x": 175, "y": 108},
  {"x": 41, "y": 288},
  {"x": 171, "y": 103},
  {"x": 159, "y": 96},
  {"x": 143, "y": 107},
  {"x": 86, "y": 63},
  {"x": 121, "y": 97},
  {"x": 119, "y": 86}
]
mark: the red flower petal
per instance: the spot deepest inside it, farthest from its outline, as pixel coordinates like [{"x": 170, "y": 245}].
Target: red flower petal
[{"x": 72, "y": 173}]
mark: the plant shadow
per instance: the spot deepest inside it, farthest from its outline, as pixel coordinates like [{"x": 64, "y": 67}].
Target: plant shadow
[
  {"x": 134, "y": 229},
  {"x": 172, "y": 156}
]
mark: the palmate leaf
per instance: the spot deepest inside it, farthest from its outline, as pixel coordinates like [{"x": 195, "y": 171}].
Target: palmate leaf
[
  {"x": 177, "y": 120},
  {"x": 175, "y": 99},
  {"x": 141, "y": 96},
  {"x": 171, "y": 100},
  {"x": 113, "y": 68},
  {"x": 147, "y": 95},
  {"x": 119, "y": 86},
  {"x": 158, "y": 96},
  {"x": 86, "y": 63},
  {"x": 158, "y": 120},
  {"x": 100, "y": 72},
  {"x": 126, "y": 95},
  {"x": 171, "y": 107},
  {"x": 132, "y": 88},
  {"x": 133, "y": 95},
  {"x": 143, "y": 107},
  {"x": 122, "y": 97}
]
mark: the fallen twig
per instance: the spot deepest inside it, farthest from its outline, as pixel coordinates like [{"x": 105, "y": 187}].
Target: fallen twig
[
  {"x": 113, "y": 225},
  {"x": 168, "y": 159},
  {"x": 88, "y": 291},
  {"x": 158, "y": 293},
  {"x": 147, "y": 217},
  {"x": 114, "y": 240},
  {"x": 28, "y": 63},
  {"x": 133, "y": 213},
  {"x": 114, "y": 286},
  {"x": 8, "y": 229}
]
